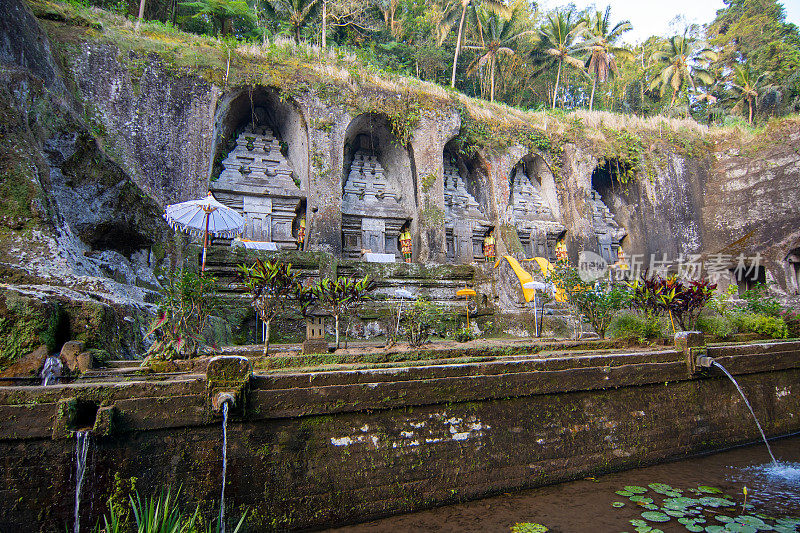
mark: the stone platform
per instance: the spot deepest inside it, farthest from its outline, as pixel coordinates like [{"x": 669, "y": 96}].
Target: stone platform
[{"x": 317, "y": 448}]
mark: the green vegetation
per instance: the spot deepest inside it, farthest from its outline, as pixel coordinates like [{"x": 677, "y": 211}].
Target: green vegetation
[
  {"x": 597, "y": 302},
  {"x": 505, "y": 51},
  {"x": 271, "y": 284},
  {"x": 160, "y": 513},
  {"x": 701, "y": 509},
  {"x": 420, "y": 320},
  {"x": 180, "y": 329}
]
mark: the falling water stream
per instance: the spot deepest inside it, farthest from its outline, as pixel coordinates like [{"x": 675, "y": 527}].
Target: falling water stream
[
  {"x": 764, "y": 437},
  {"x": 224, "y": 465},
  {"x": 81, "y": 453},
  {"x": 51, "y": 371}
]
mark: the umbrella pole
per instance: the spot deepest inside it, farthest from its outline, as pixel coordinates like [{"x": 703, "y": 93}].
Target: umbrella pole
[{"x": 205, "y": 244}]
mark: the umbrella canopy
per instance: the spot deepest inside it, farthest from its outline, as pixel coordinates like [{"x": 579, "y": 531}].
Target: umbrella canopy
[
  {"x": 204, "y": 217},
  {"x": 190, "y": 217}
]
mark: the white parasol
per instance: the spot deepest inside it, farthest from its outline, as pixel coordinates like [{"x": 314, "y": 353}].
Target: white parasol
[{"x": 204, "y": 217}]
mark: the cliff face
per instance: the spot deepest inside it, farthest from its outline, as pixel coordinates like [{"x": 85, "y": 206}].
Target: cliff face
[
  {"x": 102, "y": 128},
  {"x": 76, "y": 234}
]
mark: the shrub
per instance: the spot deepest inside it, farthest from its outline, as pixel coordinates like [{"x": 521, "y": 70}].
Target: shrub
[
  {"x": 184, "y": 311},
  {"x": 769, "y": 326},
  {"x": 420, "y": 319},
  {"x": 682, "y": 300},
  {"x": 792, "y": 320},
  {"x": 758, "y": 300},
  {"x": 716, "y": 325},
  {"x": 598, "y": 302},
  {"x": 464, "y": 334},
  {"x": 632, "y": 327}
]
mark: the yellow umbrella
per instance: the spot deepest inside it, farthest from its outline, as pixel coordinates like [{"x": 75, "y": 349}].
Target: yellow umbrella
[{"x": 466, "y": 293}]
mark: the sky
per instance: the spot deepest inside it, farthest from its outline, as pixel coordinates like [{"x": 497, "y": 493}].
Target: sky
[{"x": 650, "y": 17}]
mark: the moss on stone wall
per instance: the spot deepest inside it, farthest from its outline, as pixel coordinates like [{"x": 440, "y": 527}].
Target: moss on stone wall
[{"x": 25, "y": 324}]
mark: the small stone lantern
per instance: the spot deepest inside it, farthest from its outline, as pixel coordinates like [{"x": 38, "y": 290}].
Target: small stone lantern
[{"x": 315, "y": 335}]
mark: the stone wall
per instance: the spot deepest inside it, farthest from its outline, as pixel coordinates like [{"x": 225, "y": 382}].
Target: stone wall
[{"x": 320, "y": 449}]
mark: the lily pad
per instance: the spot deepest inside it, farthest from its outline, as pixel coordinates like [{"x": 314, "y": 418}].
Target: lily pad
[
  {"x": 752, "y": 521},
  {"x": 644, "y": 529},
  {"x": 736, "y": 527},
  {"x": 709, "y": 490},
  {"x": 641, "y": 499},
  {"x": 624, "y": 493},
  {"x": 723, "y": 518},
  {"x": 715, "y": 529},
  {"x": 635, "y": 489},
  {"x": 650, "y": 507},
  {"x": 636, "y": 522},
  {"x": 674, "y": 512},
  {"x": 694, "y": 528},
  {"x": 617, "y": 504},
  {"x": 655, "y": 516},
  {"x": 680, "y": 503},
  {"x": 712, "y": 501}
]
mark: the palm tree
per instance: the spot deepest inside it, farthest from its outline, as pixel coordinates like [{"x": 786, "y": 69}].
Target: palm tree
[
  {"x": 685, "y": 61},
  {"x": 745, "y": 85},
  {"x": 602, "y": 58},
  {"x": 494, "y": 5},
  {"x": 498, "y": 35},
  {"x": 560, "y": 36},
  {"x": 297, "y": 12}
]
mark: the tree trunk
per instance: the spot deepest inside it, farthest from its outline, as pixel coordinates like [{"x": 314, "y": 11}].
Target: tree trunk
[
  {"x": 266, "y": 338},
  {"x": 750, "y": 104},
  {"x": 141, "y": 16},
  {"x": 558, "y": 78},
  {"x": 458, "y": 45},
  {"x": 591, "y": 98},
  {"x": 337, "y": 331},
  {"x": 324, "y": 24},
  {"x": 297, "y": 34},
  {"x": 491, "y": 74}
]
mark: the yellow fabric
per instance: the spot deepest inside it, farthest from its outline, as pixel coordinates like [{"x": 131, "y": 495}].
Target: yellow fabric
[{"x": 524, "y": 277}]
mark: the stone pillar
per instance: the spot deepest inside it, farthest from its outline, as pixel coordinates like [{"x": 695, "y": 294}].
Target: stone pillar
[
  {"x": 326, "y": 132},
  {"x": 427, "y": 151}
]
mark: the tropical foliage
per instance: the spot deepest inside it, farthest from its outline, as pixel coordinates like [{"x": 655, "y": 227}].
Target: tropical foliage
[
  {"x": 745, "y": 63},
  {"x": 179, "y": 329},
  {"x": 271, "y": 285}
]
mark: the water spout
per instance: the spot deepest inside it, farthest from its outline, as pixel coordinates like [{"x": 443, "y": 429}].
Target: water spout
[
  {"x": 81, "y": 453},
  {"x": 52, "y": 370},
  {"x": 226, "y": 402},
  {"x": 741, "y": 392}
]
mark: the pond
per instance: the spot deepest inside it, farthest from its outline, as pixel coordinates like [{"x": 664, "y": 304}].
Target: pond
[{"x": 703, "y": 493}]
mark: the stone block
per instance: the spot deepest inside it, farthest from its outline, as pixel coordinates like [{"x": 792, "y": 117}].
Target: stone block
[
  {"x": 28, "y": 365},
  {"x": 70, "y": 352},
  {"x": 104, "y": 422},
  {"x": 689, "y": 339},
  {"x": 227, "y": 377},
  {"x": 315, "y": 346},
  {"x": 85, "y": 361}
]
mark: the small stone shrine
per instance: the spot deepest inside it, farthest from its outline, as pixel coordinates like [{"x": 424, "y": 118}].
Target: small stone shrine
[
  {"x": 536, "y": 225},
  {"x": 372, "y": 214},
  {"x": 609, "y": 233},
  {"x": 465, "y": 224},
  {"x": 258, "y": 181}
]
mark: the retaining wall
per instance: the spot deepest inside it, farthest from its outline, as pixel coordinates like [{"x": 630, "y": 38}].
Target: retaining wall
[{"x": 317, "y": 449}]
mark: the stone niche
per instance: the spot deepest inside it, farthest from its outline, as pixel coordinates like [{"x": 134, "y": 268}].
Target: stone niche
[
  {"x": 466, "y": 223},
  {"x": 261, "y": 147},
  {"x": 372, "y": 214},
  {"x": 534, "y": 208},
  {"x": 258, "y": 181},
  {"x": 608, "y": 232},
  {"x": 377, "y": 191}
]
